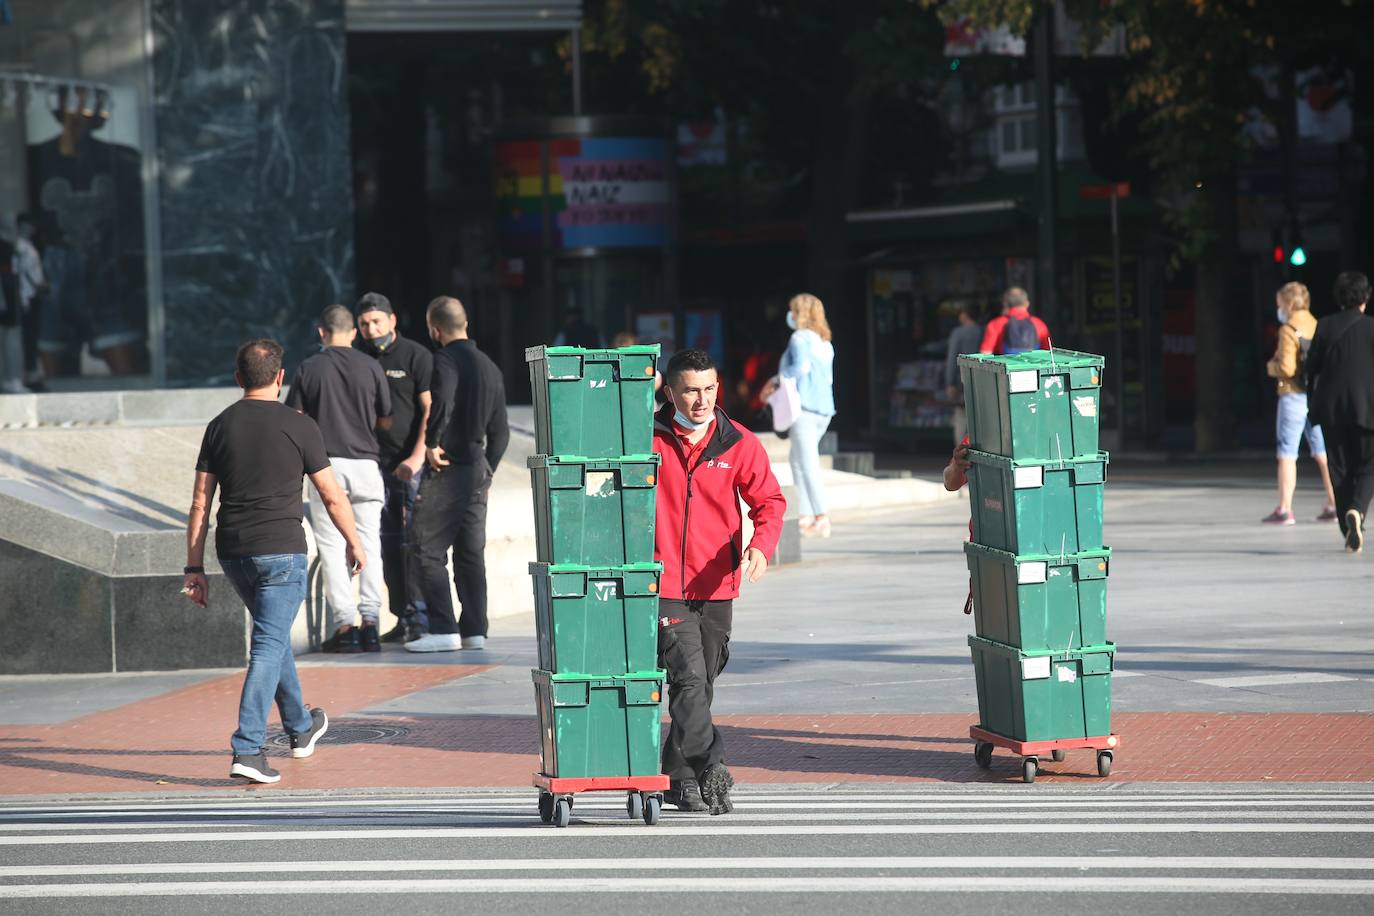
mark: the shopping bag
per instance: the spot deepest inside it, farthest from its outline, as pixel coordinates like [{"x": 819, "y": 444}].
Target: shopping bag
[{"x": 786, "y": 403}]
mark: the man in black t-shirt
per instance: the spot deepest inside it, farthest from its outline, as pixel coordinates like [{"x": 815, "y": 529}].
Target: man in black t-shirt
[
  {"x": 256, "y": 453},
  {"x": 344, "y": 391},
  {"x": 401, "y": 452}
]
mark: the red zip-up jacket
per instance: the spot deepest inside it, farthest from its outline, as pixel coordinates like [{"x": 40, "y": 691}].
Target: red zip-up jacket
[{"x": 699, "y": 532}]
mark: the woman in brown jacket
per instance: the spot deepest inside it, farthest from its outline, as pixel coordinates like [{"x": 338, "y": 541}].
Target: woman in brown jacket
[{"x": 1297, "y": 327}]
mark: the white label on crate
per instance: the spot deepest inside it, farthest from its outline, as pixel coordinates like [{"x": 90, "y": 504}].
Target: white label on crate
[
  {"x": 1066, "y": 673},
  {"x": 605, "y": 589},
  {"x": 596, "y": 383},
  {"x": 1028, "y": 477},
  {"x": 1032, "y": 573},
  {"x": 1022, "y": 381},
  {"x": 600, "y": 483},
  {"x": 1086, "y": 405},
  {"x": 1053, "y": 383},
  {"x": 1035, "y": 669}
]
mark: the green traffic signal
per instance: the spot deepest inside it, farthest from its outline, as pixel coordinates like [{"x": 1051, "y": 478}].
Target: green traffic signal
[{"x": 1299, "y": 257}]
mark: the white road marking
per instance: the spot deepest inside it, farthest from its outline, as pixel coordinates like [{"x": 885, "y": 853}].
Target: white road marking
[
  {"x": 679, "y": 827},
  {"x": 1275, "y": 680},
  {"x": 617, "y": 884},
  {"x": 808, "y": 863}
]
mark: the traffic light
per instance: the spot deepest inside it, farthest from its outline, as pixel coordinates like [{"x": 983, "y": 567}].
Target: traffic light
[{"x": 1299, "y": 255}]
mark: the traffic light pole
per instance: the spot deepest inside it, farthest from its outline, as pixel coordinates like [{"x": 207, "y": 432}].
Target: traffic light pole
[{"x": 1046, "y": 292}]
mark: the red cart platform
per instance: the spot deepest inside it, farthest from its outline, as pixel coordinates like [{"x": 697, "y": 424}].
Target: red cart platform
[
  {"x": 1032, "y": 751},
  {"x": 643, "y": 798}
]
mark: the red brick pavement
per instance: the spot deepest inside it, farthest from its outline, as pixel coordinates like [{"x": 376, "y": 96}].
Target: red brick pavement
[{"x": 178, "y": 741}]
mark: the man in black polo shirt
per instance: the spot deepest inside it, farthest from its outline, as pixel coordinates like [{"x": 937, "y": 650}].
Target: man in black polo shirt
[
  {"x": 465, "y": 439},
  {"x": 344, "y": 391},
  {"x": 407, "y": 366},
  {"x": 255, "y": 453}
]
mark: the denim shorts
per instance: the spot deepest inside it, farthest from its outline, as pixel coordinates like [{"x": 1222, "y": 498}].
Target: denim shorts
[{"x": 1292, "y": 423}]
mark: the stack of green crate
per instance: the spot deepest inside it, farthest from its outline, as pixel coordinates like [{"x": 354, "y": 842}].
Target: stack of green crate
[
  {"x": 1036, "y": 559},
  {"x": 598, "y": 685}
]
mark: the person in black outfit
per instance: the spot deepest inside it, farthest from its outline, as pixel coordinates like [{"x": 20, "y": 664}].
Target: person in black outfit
[
  {"x": 408, "y": 367},
  {"x": 1340, "y": 382},
  {"x": 345, "y": 392},
  {"x": 465, "y": 439},
  {"x": 255, "y": 452}
]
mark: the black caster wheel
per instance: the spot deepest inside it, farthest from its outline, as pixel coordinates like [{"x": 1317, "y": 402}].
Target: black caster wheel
[
  {"x": 1104, "y": 763},
  {"x": 1057, "y": 755},
  {"x": 982, "y": 754},
  {"x": 634, "y": 806},
  {"x": 562, "y": 812},
  {"x": 1029, "y": 766},
  {"x": 653, "y": 807},
  {"x": 546, "y": 807}
]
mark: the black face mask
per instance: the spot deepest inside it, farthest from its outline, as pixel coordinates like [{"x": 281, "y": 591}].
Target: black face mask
[{"x": 381, "y": 343}]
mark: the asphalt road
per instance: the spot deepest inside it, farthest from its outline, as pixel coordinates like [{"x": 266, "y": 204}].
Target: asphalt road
[{"x": 1118, "y": 848}]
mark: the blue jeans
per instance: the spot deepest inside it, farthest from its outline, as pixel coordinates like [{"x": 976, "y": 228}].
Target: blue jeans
[
  {"x": 273, "y": 588},
  {"x": 805, "y": 459},
  {"x": 1292, "y": 424}
]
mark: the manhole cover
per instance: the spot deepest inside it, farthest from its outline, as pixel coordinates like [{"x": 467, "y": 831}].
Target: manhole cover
[{"x": 352, "y": 734}]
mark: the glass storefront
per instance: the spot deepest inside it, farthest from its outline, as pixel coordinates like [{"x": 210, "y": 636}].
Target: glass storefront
[{"x": 74, "y": 149}]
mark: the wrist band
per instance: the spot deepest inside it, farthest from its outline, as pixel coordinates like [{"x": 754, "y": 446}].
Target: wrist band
[{"x": 187, "y": 570}]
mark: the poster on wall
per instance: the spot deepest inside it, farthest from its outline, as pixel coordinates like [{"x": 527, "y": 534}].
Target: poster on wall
[
  {"x": 603, "y": 192},
  {"x": 86, "y": 195}
]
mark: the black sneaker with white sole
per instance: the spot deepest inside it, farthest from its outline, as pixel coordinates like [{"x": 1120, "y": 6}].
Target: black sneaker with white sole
[
  {"x": 254, "y": 768},
  {"x": 1354, "y": 531},
  {"x": 716, "y": 784},
  {"x": 685, "y": 796},
  {"x": 303, "y": 745}
]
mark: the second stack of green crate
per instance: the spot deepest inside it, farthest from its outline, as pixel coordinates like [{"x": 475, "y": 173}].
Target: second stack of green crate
[
  {"x": 1036, "y": 559},
  {"x": 598, "y": 686}
]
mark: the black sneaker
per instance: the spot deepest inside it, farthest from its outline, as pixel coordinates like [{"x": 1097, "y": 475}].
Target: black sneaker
[
  {"x": 716, "y": 783},
  {"x": 396, "y": 633},
  {"x": 254, "y": 768},
  {"x": 303, "y": 745},
  {"x": 685, "y": 796},
  {"x": 367, "y": 638},
  {"x": 415, "y": 630},
  {"x": 343, "y": 640},
  {"x": 1354, "y": 531}
]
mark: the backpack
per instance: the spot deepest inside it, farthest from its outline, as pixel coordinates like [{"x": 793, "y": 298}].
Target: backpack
[{"x": 1019, "y": 336}]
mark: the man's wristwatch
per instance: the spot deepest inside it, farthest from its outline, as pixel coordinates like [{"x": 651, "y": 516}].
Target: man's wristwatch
[{"x": 187, "y": 570}]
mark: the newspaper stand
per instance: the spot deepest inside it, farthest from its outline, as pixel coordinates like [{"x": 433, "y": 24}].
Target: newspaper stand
[
  {"x": 1032, "y": 751},
  {"x": 643, "y": 798}
]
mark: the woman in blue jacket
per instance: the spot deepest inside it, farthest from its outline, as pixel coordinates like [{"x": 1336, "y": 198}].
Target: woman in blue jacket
[{"x": 810, "y": 362}]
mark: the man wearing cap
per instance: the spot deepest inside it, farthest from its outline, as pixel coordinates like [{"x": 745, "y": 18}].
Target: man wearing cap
[{"x": 408, "y": 368}]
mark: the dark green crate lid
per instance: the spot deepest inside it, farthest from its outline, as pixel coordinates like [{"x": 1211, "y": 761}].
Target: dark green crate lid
[{"x": 1105, "y": 649}]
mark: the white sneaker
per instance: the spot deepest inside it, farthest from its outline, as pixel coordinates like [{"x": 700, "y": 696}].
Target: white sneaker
[
  {"x": 436, "y": 642},
  {"x": 474, "y": 642}
]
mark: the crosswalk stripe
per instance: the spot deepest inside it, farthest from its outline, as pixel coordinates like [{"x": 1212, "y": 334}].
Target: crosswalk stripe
[
  {"x": 619, "y": 885},
  {"x": 682, "y": 827},
  {"x": 1275, "y": 680},
  {"x": 742, "y": 813},
  {"x": 701, "y": 865}
]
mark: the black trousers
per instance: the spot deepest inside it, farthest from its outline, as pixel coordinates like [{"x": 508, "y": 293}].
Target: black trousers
[
  {"x": 400, "y": 566},
  {"x": 1350, "y": 458},
  {"x": 451, "y": 512},
  {"x": 693, "y": 645}
]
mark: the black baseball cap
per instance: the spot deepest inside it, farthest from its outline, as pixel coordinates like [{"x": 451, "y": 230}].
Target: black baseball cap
[{"x": 373, "y": 302}]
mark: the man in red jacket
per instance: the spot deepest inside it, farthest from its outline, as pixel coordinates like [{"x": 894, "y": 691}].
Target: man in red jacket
[
  {"x": 709, "y": 463},
  {"x": 1016, "y": 330}
]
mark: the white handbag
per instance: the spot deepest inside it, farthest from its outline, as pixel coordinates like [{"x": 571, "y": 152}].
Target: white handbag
[{"x": 785, "y": 402}]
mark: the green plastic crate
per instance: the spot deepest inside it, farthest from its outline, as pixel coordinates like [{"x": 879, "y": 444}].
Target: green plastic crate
[
  {"x": 1039, "y": 603},
  {"x": 596, "y": 403},
  {"x": 598, "y": 726},
  {"x": 1037, "y": 507},
  {"x": 594, "y": 512},
  {"x": 1043, "y": 696},
  {"x": 596, "y": 621},
  {"x": 1041, "y": 405}
]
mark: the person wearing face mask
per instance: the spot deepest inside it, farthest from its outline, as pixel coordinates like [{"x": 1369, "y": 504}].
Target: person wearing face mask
[
  {"x": 810, "y": 361},
  {"x": 465, "y": 437},
  {"x": 1292, "y": 422},
  {"x": 708, "y": 464},
  {"x": 408, "y": 367}
]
